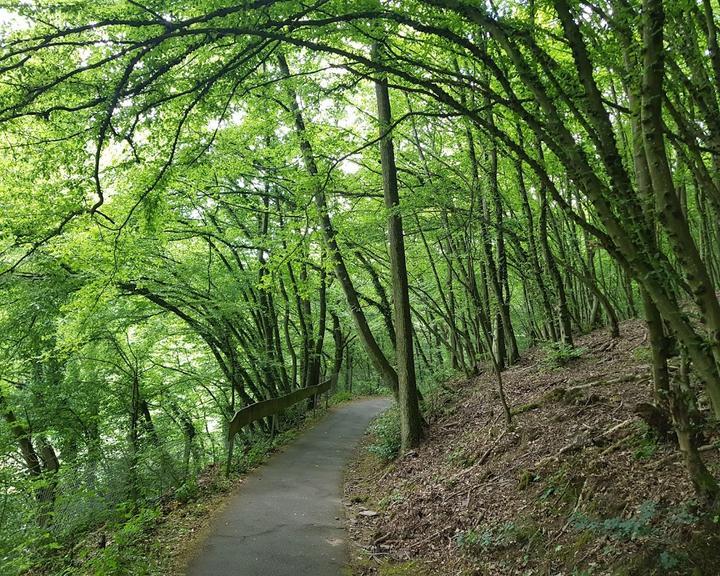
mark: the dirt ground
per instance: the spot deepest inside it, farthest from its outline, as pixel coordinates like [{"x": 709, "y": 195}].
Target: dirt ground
[{"x": 577, "y": 485}]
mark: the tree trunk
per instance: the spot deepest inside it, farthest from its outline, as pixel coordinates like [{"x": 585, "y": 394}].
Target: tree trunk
[
  {"x": 668, "y": 203},
  {"x": 680, "y": 401},
  {"x": 410, "y": 418},
  {"x": 375, "y": 353}
]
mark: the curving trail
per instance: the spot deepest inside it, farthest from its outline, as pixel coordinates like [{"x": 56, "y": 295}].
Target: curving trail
[{"x": 287, "y": 520}]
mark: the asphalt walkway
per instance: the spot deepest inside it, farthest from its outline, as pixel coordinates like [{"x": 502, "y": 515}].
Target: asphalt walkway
[{"x": 287, "y": 519}]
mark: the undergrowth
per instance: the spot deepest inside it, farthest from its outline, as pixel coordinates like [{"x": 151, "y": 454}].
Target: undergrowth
[
  {"x": 127, "y": 543},
  {"x": 558, "y": 354},
  {"x": 386, "y": 432}
]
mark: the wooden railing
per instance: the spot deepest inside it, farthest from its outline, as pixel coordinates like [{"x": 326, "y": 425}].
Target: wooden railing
[{"x": 274, "y": 406}]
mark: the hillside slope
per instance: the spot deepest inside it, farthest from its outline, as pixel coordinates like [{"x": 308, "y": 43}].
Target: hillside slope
[{"x": 565, "y": 490}]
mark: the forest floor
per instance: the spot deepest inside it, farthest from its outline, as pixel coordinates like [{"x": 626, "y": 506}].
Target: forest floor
[{"x": 578, "y": 485}]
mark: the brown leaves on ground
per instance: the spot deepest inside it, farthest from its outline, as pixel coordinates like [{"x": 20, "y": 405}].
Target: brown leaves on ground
[{"x": 578, "y": 484}]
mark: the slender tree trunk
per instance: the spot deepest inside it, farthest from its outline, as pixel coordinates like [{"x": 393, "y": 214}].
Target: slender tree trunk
[
  {"x": 411, "y": 429},
  {"x": 668, "y": 203},
  {"x": 510, "y": 341},
  {"x": 563, "y": 313},
  {"x": 375, "y": 353},
  {"x": 316, "y": 353},
  {"x": 385, "y": 307},
  {"x": 502, "y": 318},
  {"x": 681, "y": 398},
  {"x": 340, "y": 343},
  {"x": 533, "y": 253},
  {"x": 42, "y": 467}
]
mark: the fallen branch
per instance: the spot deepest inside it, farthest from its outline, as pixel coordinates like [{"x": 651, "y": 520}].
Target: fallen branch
[
  {"x": 624, "y": 379},
  {"x": 469, "y": 489},
  {"x": 583, "y": 442},
  {"x": 675, "y": 455},
  {"x": 431, "y": 537},
  {"x": 615, "y": 445},
  {"x": 482, "y": 459}
]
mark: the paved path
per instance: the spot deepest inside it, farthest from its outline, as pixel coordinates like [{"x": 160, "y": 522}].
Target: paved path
[{"x": 287, "y": 519}]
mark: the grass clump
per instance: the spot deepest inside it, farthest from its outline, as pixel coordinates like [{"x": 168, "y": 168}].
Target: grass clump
[
  {"x": 402, "y": 569},
  {"x": 646, "y": 445}
]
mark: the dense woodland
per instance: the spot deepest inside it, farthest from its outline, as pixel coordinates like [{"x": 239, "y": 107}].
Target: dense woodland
[{"x": 208, "y": 204}]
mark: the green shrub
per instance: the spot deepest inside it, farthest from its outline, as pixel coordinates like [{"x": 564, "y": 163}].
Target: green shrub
[
  {"x": 683, "y": 515},
  {"x": 386, "y": 429},
  {"x": 256, "y": 454},
  {"x": 620, "y": 528},
  {"x": 431, "y": 379},
  {"x": 119, "y": 558},
  {"x": 409, "y": 568},
  {"x": 341, "y": 396},
  {"x": 369, "y": 388},
  {"x": 643, "y": 354},
  {"x": 646, "y": 448},
  {"x": 503, "y": 536},
  {"x": 558, "y": 354},
  {"x": 187, "y": 491},
  {"x": 459, "y": 457},
  {"x": 668, "y": 561}
]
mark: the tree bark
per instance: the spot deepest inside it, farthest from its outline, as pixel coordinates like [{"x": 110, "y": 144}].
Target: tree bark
[{"x": 411, "y": 430}]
